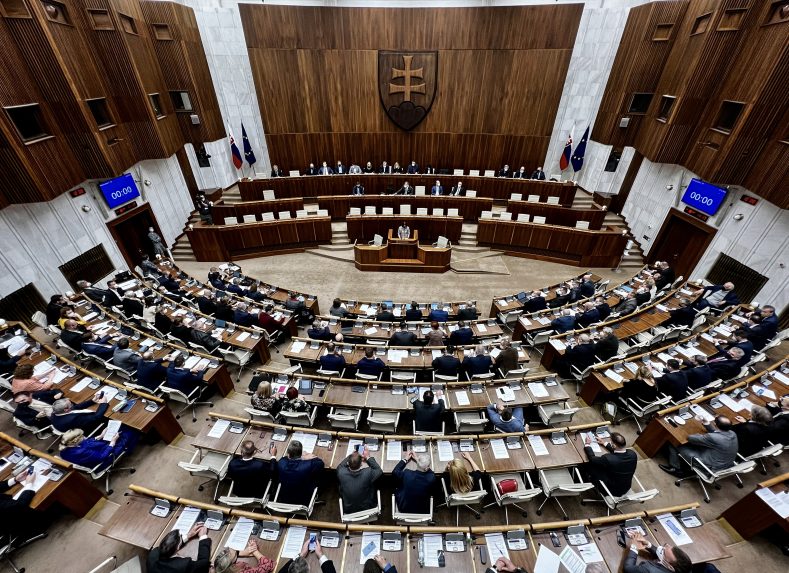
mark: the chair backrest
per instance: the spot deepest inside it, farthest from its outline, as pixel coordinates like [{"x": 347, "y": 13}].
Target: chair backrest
[
  {"x": 419, "y": 190},
  {"x": 405, "y": 209},
  {"x": 248, "y": 218},
  {"x": 552, "y": 200},
  {"x": 421, "y": 210},
  {"x": 582, "y": 224},
  {"x": 453, "y": 212},
  {"x": 387, "y": 211},
  {"x": 516, "y": 196},
  {"x": 505, "y": 216},
  {"x": 457, "y": 172},
  {"x": 539, "y": 219},
  {"x": 472, "y": 192},
  {"x": 473, "y": 172},
  {"x": 230, "y": 220},
  {"x": 268, "y": 194},
  {"x": 301, "y": 213},
  {"x": 486, "y": 215},
  {"x": 269, "y": 216},
  {"x": 284, "y": 215},
  {"x": 438, "y": 211},
  {"x": 524, "y": 217},
  {"x": 369, "y": 210},
  {"x": 533, "y": 198},
  {"x": 442, "y": 243},
  {"x": 378, "y": 240},
  {"x": 489, "y": 173}
]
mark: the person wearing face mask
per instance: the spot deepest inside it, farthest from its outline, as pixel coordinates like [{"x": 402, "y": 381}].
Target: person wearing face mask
[{"x": 660, "y": 558}]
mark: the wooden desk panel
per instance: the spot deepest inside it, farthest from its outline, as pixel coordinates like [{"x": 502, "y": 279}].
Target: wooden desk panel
[
  {"x": 470, "y": 208},
  {"x": 557, "y": 214},
  {"x": 221, "y": 210},
  {"x": 134, "y": 524},
  {"x": 363, "y": 228}
]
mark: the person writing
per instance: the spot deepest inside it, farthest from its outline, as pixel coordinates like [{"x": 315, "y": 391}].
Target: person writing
[{"x": 404, "y": 231}]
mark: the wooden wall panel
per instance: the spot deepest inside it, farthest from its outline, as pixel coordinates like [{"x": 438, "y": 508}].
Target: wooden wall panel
[{"x": 498, "y": 86}]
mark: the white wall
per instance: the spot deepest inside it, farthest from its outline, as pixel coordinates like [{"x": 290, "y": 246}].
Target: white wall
[{"x": 39, "y": 237}]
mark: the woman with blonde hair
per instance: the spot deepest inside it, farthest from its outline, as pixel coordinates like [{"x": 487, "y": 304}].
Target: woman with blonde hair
[
  {"x": 642, "y": 387},
  {"x": 265, "y": 400},
  {"x": 460, "y": 479}
]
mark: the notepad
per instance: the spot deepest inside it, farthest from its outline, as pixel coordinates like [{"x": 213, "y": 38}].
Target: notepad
[
  {"x": 243, "y": 336},
  {"x": 371, "y": 330},
  {"x": 481, "y": 327},
  {"x": 445, "y": 453},
  {"x": 461, "y": 396},
  {"x": 499, "y": 449},
  {"x": 241, "y": 533},
  {"x": 298, "y": 346},
  {"x": 538, "y": 446},
  {"x": 538, "y": 390},
  {"x": 525, "y": 321},
  {"x": 370, "y": 546},
  {"x": 219, "y": 428},
  {"x": 613, "y": 376}
]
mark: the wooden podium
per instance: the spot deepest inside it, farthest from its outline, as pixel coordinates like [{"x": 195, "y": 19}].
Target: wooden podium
[{"x": 402, "y": 255}]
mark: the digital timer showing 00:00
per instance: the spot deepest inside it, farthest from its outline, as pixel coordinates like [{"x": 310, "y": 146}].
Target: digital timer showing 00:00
[
  {"x": 703, "y": 199},
  {"x": 119, "y": 190},
  {"x": 121, "y": 193}
]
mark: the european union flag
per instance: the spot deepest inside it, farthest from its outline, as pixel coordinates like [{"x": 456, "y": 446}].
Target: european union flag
[
  {"x": 577, "y": 159},
  {"x": 249, "y": 155}
]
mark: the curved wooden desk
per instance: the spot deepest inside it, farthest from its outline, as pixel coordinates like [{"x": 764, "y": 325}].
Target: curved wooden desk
[{"x": 402, "y": 255}]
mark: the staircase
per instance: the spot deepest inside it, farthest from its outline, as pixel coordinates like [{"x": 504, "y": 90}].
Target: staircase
[{"x": 182, "y": 248}]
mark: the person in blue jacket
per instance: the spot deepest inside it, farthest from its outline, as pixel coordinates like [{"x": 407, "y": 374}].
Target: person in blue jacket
[{"x": 96, "y": 452}]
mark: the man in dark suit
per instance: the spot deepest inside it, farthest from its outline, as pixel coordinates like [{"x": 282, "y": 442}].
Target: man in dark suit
[
  {"x": 587, "y": 286},
  {"x": 277, "y": 172},
  {"x": 504, "y": 172},
  {"x": 666, "y": 275},
  {"x": 224, "y": 311},
  {"x": 740, "y": 340},
  {"x": 608, "y": 345},
  {"x": 643, "y": 295},
  {"x": 447, "y": 364},
  {"x": 384, "y": 314},
  {"x": 251, "y": 475},
  {"x": 150, "y": 372},
  {"x": 113, "y": 296},
  {"x": 413, "y": 168},
  {"x": 762, "y": 326},
  {"x": 427, "y": 412},
  {"x": 462, "y": 335},
  {"x": 78, "y": 340},
  {"x": 370, "y": 365},
  {"x": 340, "y": 169},
  {"x": 521, "y": 173},
  {"x": 416, "y": 486},
  {"x": 564, "y": 322},
  {"x": 403, "y": 337},
  {"x": 727, "y": 366},
  {"x": 438, "y": 315},
  {"x": 163, "y": 559},
  {"x": 385, "y": 168},
  {"x": 206, "y": 303},
  {"x": 562, "y": 297},
  {"x": 179, "y": 378},
  {"x": 674, "y": 382},
  {"x": 311, "y": 170},
  {"x": 682, "y": 316},
  {"x": 301, "y": 472},
  {"x": 437, "y": 189},
  {"x": 580, "y": 356},
  {"x": 458, "y": 190},
  {"x": 132, "y": 306},
  {"x": 243, "y": 318},
  {"x": 319, "y": 331},
  {"x": 56, "y": 302},
  {"x": 162, "y": 322},
  {"x": 628, "y": 305},
  {"x": 368, "y": 168},
  {"x": 535, "y": 302},
  {"x": 615, "y": 468},
  {"x": 469, "y": 312},
  {"x": 406, "y": 189},
  {"x": 253, "y": 293},
  {"x": 717, "y": 296},
  {"x": 602, "y": 307},
  {"x": 358, "y": 189},
  {"x": 662, "y": 559},
  {"x": 324, "y": 169},
  {"x": 332, "y": 361},
  {"x": 480, "y": 363},
  {"x": 779, "y": 428},
  {"x": 67, "y": 416},
  {"x": 538, "y": 174},
  {"x": 698, "y": 373},
  {"x": 19, "y": 519},
  {"x": 91, "y": 292},
  {"x": 589, "y": 316},
  {"x": 413, "y": 313}
]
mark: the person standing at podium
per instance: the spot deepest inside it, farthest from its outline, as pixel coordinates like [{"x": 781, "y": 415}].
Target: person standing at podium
[
  {"x": 358, "y": 189},
  {"x": 437, "y": 189},
  {"x": 404, "y": 231}
]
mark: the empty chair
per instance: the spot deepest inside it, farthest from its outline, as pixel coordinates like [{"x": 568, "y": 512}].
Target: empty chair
[
  {"x": 405, "y": 209},
  {"x": 425, "y": 432},
  {"x": 538, "y": 339},
  {"x": 369, "y": 210},
  {"x": 269, "y": 216},
  {"x": 471, "y": 192},
  {"x": 486, "y": 215},
  {"x": 292, "y": 509},
  {"x": 212, "y": 465},
  {"x": 238, "y": 501},
  {"x": 524, "y": 217},
  {"x": 636, "y": 494},
  {"x": 363, "y": 516},
  {"x": 539, "y": 219},
  {"x": 421, "y": 211},
  {"x": 191, "y": 400},
  {"x": 552, "y": 200},
  {"x": 419, "y": 190},
  {"x": 707, "y": 476},
  {"x": 582, "y": 224},
  {"x": 458, "y": 500},
  {"x": 469, "y": 422},
  {"x": 516, "y": 197},
  {"x": 533, "y": 198},
  {"x": 383, "y": 421},
  {"x": 511, "y": 489},
  {"x": 438, "y": 211},
  {"x": 402, "y": 518},
  {"x": 268, "y": 194},
  {"x": 230, "y": 220},
  {"x": 505, "y": 216},
  {"x": 441, "y": 243},
  {"x": 453, "y": 212},
  {"x": 301, "y": 213},
  {"x": 355, "y": 211},
  {"x": 237, "y": 357},
  {"x": 260, "y": 415},
  {"x": 769, "y": 451},
  {"x": 378, "y": 240},
  {"x": 561, "y": 482},
  {"x": 344, "y": 418},
  {"x": 552, "y": 414},
  {"x": 473, "y": 172},
  {"x": 305, "y": 419},
  {"x": 248, "y": 218},
  {"x": 387, "y": 211}
]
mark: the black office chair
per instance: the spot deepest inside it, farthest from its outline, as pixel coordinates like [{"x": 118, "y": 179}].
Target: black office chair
[{"x": 11, "y": 543}]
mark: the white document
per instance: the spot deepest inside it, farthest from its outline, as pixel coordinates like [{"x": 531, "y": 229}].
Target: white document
[
  {"x": 109, "y": 392},
  {"x": 113, "y": 427},
  {"x": 59, "y": 377},
  {"x": 543, "y": 320},
  {"x": 557, "y": 344},
  {"x": 371, "y": 330},
  {"x": 218, "y": 428},
  {"x": 538, "y": 390},
  {"x": 240, "y": 535},
  {"x": 663, "y": 357},
  {"x": 537, "y": 445},
  {"x": 37, "y": 484},
  {"x": 370, "y": 547},
  {"x": 496, "y": 547},
  {"x": 501, "y": 302},
  {"x": 764, "y": 392},
  {"x": 82, "y": 384},
  {"x": 701, "y": 412},
  {"x": 674, "y": 529},
  {"x": 186, "y": 520},
  {"x": 495, "y": 353},
  {"x": 352, "y": 446},
  {"x": 397, "y": 311},
  {"x": 482, "y": 328},
  {"x": 708, "y": 338},
  {"x": 462, "y": 398},
  {"x": 593, "y": 444},
  {"x": 14, "y": 344},
  {"x": 570, "y": 559},
  {"x": 394, "y": 449},
  {"x": 298, "y": 346},
  {"x": 780, "y": 377},
  {"x": 505, "y": 393},
  {"x": 731, "y": 403},
  {"x": 191, "y": 362},
  {"x": 243, "y": 336},
  {"x": 445, "y": 453},
  {"x": 613, "y": 376},
  {"x": 435, "y": 353},
  {"x": 547, "y": 561},
  {"x": 779, "y": 503},
  {"x": 499, "y": 449},
  {"x": 590, "y": 553},
  {"x": 308, "y": 441},
  {"x": 432, "y": 544},
  {"x": 41, "y": 368},
  {"x": 294, "y": 540},
  {"x": 661, "y": 308}
]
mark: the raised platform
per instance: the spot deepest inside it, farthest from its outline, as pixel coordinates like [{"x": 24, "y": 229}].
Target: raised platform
[{"x": 402, "y": 255}]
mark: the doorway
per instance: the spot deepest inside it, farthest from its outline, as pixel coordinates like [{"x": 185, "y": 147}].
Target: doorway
[
  {"x": 681, "y": 242},
  {"x": 130, "y": 232}
]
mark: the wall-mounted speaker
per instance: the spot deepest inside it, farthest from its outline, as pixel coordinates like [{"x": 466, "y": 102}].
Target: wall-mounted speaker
[{"x": 624, "y": 122}]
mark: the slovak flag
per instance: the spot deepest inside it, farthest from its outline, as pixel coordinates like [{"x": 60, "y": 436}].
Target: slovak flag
[
  {"x": 236, "y": 154},
  {"x": 564, "y": 160}
]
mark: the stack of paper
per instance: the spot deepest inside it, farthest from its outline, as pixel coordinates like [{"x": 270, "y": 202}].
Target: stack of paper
[
  {"x": 394, "y": 449},
  {"x": 241, "y": 533},
  {"x": 445, "y": 450},
  {"x": 538, "y": 390},
  {"x": 537, "y": 445},
  {"x": 298, "y": 346},
  {"x": 613, "y": 376},
  {"x": 308, "y": 441},
  {"x": 499, "y": 449},
  {"x": 294, "y": 540},
  {"x": 462, "y": 398}
]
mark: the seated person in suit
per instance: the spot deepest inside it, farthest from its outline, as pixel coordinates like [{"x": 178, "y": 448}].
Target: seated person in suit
[
  {"x": 683, "y": 315},
  {"x": 254, "y": 293},
  {"x": 538, "y": 174},
  {"x": 602, "y": 307},
  {"x": 311, "y": 170},
  {"x": 413, "y": 168},
  {"x": 628, "y": 305},
  {"x": 368, "y": 168},
  {"x": 779, "y": 429},
  {"x": 580, "y": 356},
  {"x": 438, "y": 315},
  {"x": 132, "y": 306},
  {"x": 727, "y": 366},
  {"x": 92, "y": 292},
  {"x": 301, "y": 565},
  {"x": 587, "y": 286},
  {"x": 124, "y": 357},
  {"x": 447, "y": 364},
  {"x": 299, "y": 474},
  {"x": 562, "y": 297},
  {"x": 458, "y": 190},
  {"x": 760, "y": 330},
  {"x": 150, "y": 372},
  {"x": 416, "y": 486},
  {"x": 413, "y": 313},
  {"x": 358, "y": 189},
  {"x": 406, "y": 189},
  {"x": 459, "y": 479},
  {"x": 36, "y": 411},
  {"x": 19, "y": 519},
  {"x": 717, "y": 296},
  {"x": 100, "y": 452},
  {"x": 396, "y": 168},
  {"x": 607, "y": 346},
  {"x": 505, "y": 418},
  {"x": 480, "y": 363},
  {"x": 251, "y": 475},
  {"x": 265, "y": 400},
  {"x": 325, "y": 169},
  {"x": 181, "y": 330},
  {"x": 56, "y": 302},
  {"x": 179, "y": 378},
  {"x": 716, "y": 448},
  {"x": 521, "y": 173},
  {"x": 384, "y": 314},
  {"x": 332, "y": 361},
  {"x": 370, "y": 365},
  {"x": 277, "y": 172},
  {"x": 207, "y": 302},
  {"x": 385, "y": 168},
  {"x": 77, "y": 340},
  {"x": 469, "y": 312},
  {"x": 319, "y": 331},
  {"x": 504, "y": 171},
  {"x": 642, "y": 388},
  {"x": 338, "y": 309},
  {"x": 113, "y": 295},
  {"x": 589, "y": 316},
  {"x": 243, "y": 318},
  {"x": 564, "y": 322},
  {"x": 462, "y": 335},
  {"x": 615, "y": 468},
  {"x": 699, "y": 374},
  {"x": 740, "y": 340},
  {"x": 437, "y": 189},
  {"x": 435, "y": 336},
  {"x": 661, "y": 558},
  {"x": 340, "y": 169},
  {"x": 164, "y": 559},
  {"x": 535, "y": 302},
  {"x": 665, "y": 276},
  {"x": 674, "y": 381},
  {"x": 66, "y": 415},
  {"x": 357, "y": 481},
  {"x": 428, "y": 413},
  {"x": 267, "y": 322},
  {"x": 403, "y": 337},
  {"x": 753, "y": 434},
  {"x": 507, "y": 360},
  {"x": 294, "y": 402},
  {"x": 642, "y": 295}
]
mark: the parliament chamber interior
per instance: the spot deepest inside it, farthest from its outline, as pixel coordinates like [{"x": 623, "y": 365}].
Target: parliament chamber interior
[{"x": 486, "y": 286}]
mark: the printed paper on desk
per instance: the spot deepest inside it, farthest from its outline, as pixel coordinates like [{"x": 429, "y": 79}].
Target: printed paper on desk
[
  {"x": 370, "y": 546},
  {"x": 702, "y": 413},
  {"x": 547, "y": 561},
  {"x": 82, "y": 384},
  {"x": 435, "y": 353},
  {"x": 371, "y": 330},
  {"x": 59, "y": 377},
  {"x": 481, "y": 327},
  {"x": 191, "y": 362},
  {"x": 462, "y": 398},
  {"x": 186, "y": 520},
  {"x": 779, "y": 503},
  {"x": 557, "y": 344},
  {"x": 538, "y": 390},
  {"x": 294, "y": 540},
  {"x": 308, "y": 441},
  {"x": 298, "y": 346},
  {"x": 590, "y": 553},
  {"x": 501, "y": 302},
  {"x": 505, "y": 393},
  {"x": 241, "y": 533},
  {"x": 397, "y": 311},
  {"x": 762, "y": 391},
  {"x": 537, "y": 445},
  {"x": 352, "y": 443},
  {"x": 674, "y": 529},
  {"x": 571, "y": 561},
  {"x": 432, "y": 544},
  {"x": 445, "y": 451},
  {"x": 394, "y": 450},
  {"x": 42, "y": 368},
  {"x": 686, "y": 291},
  {"x": 499, "y": 449},
  {"x": 613, "y": 376},
  {"x": 543, "y": 320},
  {"x": 593, "y": 443},
  {"x": 243, "y": 336},
  {"x": 661, "y": 308},
  {"x": 37, "y": 484},
  {"x": 218, "y": 428},
  {"x": 496, "y": 547},
  {"x": 109, "y": 392},
  {"x": 780, "y": 377}
]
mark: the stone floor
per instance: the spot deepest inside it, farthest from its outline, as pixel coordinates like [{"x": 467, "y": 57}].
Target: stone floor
[{"x": 74, "y": 545}]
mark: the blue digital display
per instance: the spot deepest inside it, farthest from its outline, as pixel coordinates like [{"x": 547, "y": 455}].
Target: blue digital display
[
  {"x": 119, "y": 190},
  {"x": 703, "y": 196}
]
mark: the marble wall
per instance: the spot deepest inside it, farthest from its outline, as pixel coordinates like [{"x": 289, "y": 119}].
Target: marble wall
[{"x": 39, "y": 237}]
